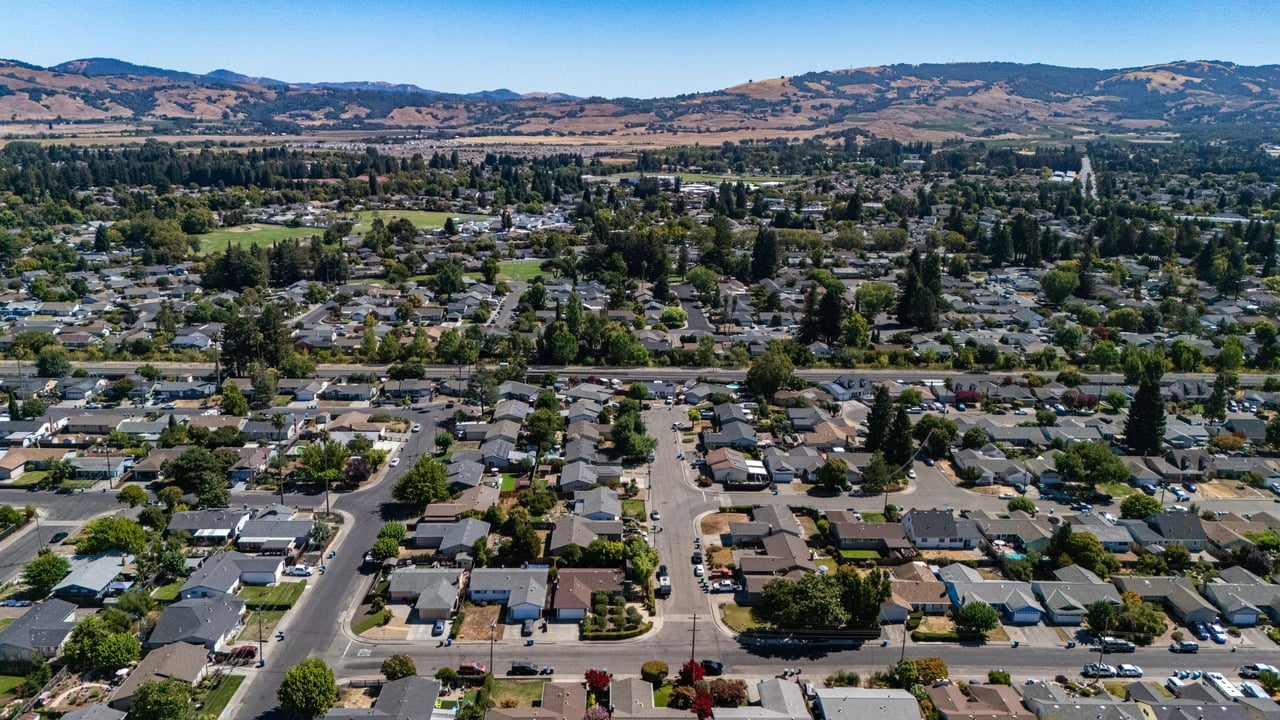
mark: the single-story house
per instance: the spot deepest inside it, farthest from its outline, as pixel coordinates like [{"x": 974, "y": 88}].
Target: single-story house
[
  {"x": 39, "y": 632},
  {"x": 433, "y": 592},
  {"x": 177, "y": 661},
  {"x": 91, "y": 576},
  {"x": 574, "y": 587},
  {"x": 600, "y": 503},
  {"x": 450, "y": 539},
  {"x": 523, "y": 591},
  {"x": 225, "y": 572},
  {"x": 211, "y": 623}
]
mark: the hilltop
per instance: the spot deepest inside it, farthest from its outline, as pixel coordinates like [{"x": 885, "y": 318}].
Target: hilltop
[{"x": 909, "y": 102}]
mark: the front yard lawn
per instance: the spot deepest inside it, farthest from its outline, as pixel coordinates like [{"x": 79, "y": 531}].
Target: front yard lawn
[
  {"x": 873, "y": 517},
  {"x": 633, "y": 508},
  {"x": 217, "y": 698},
  {"x": 270, "y": 618},
  {"x": 524, "y": 692},
  {"x": 739, "y": 618},
  {"x": 282, "y": 594},
  {"x": 1113, "y": 489}
]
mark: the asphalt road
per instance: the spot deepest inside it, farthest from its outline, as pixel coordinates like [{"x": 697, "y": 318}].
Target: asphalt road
[{"x": 313, "y": 627}]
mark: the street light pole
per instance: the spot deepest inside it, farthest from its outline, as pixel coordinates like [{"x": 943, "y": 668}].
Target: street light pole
[
  {"x": 492, "y": 629},
  {"x": 693, "y": 638}
]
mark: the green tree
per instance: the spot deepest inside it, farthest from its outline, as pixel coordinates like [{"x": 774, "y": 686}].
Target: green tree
[
  {"x": 52, "y": 362},
  {"x": 170, "y": 495},
  {"x": 877, "y": 477},
  {"x": 47, "y": 570},
  {"x": 935, "y": 433},
  {"x": 898, "y": 449},
  {"x": 1058, "y": 285},
  {"x": 1224, "y": 389},
  {"x": 879, "y": 420},
  {"x": 233, "y": 401},
  {"x": 1139, "y": 507},
  {"x": 770, "y": 372},
  {"x": 1021, "y": 504},
  {"x": 398, "y": 666},
  {"x": 1091, "y": 463},
  {"x": 543, "y": 426},
  {"x": 977, "y": 617},
  {"x": 1101, "y": 616},
  {"x": 1177, "y": 557},
  {"x": 1144, "y": 430},
  {"x": 833, "y": 474},
  {"x": 764, "y": 254},
  {"x": 111, "y": 533},
  {"x": 393, "y": 529},
  {"x": 116, "y": 651},
  {"x": 385, "y": 548},
  {"x": 161, "y": 700},
  {"x": 133, "y": 495},
  {"x": 308, "y": 689}
]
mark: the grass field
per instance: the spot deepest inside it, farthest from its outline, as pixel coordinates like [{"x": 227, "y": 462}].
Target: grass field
[
  {"x": 740, "y": 618},
  {"x": 633, "y": 508},
  {"x": 216, "y": 701},
  {"x": 364, "y": 623},
  {"x": 284, "y": 593},
  {"x": 524, "y": 692},
  {"x": 4, "y": 622},
  {"x": 168, "y": 593},
  {"x": 521, "y": 269},
  {"x": 8, "y": 683},
  {"x": 420, "y": 218},
  {"x": 244, "y": 235}
]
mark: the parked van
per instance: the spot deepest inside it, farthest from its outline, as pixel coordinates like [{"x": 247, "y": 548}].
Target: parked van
[{"x": 1175, "y": 686}]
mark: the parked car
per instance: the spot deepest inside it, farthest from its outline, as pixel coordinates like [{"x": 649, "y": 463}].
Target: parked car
[
  {"x": 713, "y": 667},
  {"x": 438, "y": 628},
  {"x": 57, "y": 538},
  {"x": 298, "y": 571},
  {"x": 655, "y": 515},
  {"x": 1098, "y": 670},
  {"x": 472, "y": 668},
  {"x": 417, "y": 427},
  {"x": 523, "y": 668},
  {"x": 394, "y": 461},
  {"x": 696, "y": 558},
  {"x": 699, "y": 570},
  {"x": 1129, "y": 671},
  {"x": 1186, "y": 646},
  {"x": 1200, "y": 631},
  {"x": 1255, "y": 669},
  {"x": 1218, "y": 633}
]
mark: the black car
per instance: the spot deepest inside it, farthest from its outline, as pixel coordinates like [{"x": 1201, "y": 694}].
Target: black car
[
  {"x": 523, "y": 668},
  {"x": 57, "y": 538},
  {"x": 697, "y": 557},
  {"x": 712, "y": 667},
  {"x": 662, "y": 571},
  {"x": 1186, "y": 646}
]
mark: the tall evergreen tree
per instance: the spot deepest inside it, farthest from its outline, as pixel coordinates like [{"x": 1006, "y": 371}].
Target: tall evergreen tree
[
  {"x": 897, "y": 444},
  {"x": 764, "y": 254},
  {"x": 1144, "y": 430},
  {"x": 879, "y": 420}
]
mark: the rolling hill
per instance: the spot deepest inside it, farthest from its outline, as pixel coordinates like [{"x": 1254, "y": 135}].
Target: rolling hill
[{"x": 908, "y": 102}]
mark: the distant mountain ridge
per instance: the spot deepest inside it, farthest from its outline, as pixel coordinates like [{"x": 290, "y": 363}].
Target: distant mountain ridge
[{"x": 911, "y": 102}]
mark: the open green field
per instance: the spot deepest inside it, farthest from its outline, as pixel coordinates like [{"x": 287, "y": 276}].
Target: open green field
[
  {"x": 521, "y": 269},
  {"x": 524, "y": 692},
  {"x": 244, "y": 235},
  {"x": 425, "y": 219},
  {"x": 705, "y": 178},
  {"x": 280, "y": 594},
  {"x": 216, "y": 701}
]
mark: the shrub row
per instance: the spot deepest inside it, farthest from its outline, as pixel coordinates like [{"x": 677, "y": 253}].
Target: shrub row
[{"x": 618, "y": 634}]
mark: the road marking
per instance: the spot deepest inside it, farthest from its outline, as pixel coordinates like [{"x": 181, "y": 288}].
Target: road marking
[{"x": 345, "y": 649}]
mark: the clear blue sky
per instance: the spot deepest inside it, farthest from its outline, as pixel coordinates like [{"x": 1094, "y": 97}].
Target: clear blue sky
[{"x": 639, "y": 48}]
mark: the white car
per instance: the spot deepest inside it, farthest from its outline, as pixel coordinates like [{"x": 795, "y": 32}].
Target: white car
[
  {"x": 395, "y": 461},
  {"x": 699, "y": 570},
  {"x": 911, "y": 474},
  {"x": 298, "y": 571},
  {"x": 417, "y": 427},
  {"x": 1128, "y": 671},
  {"x": 1006, "y": 496}
]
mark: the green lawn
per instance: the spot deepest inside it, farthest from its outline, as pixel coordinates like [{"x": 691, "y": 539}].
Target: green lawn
[
  {"x": 420, "y": 218},
  {"x": 859, "y": 554},
  {"x": 508, "y": 482},
  {"x": 521, "y": 269},
  {"x": 705, "y": 178},
  {"x": 270, "y": 618},
  {"x": 633, "y": 508},
  {"x": 524, "y": 692},
  {"x": 1115, "y": 489},
  {"x": 872, "y": 517},
  {"x": 740, "y": 618},
  {"x": 366, "y": 622},
  {"x": 828, "y": 563},
  {"x": 28, "y": 479},
  {"x": 8, "y": 683},
  {"x": 244, "y": 235},
  {"x": 168, "y": 593},
  {"x": 283, "y": 593},
  {"x": 216, "y": 701}
]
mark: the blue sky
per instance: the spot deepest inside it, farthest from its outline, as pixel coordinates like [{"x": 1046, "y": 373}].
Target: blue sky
[{"x": 640, "y": 48}]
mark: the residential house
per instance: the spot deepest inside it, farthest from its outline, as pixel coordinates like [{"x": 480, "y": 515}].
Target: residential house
[
  {"x": 577, "y": 477},
  {"x": 1244, "y": 598},
  {"x": 800, "y": 463},
  {"x": 180, "y": 661},
  {"x": 992, "y": 466},
  {"x": 915, "y": 586},
  {"x": 939, "y": 529},
  {"x": 225, "y": 572},
  {"x": 574, "y": 530},
  {"x": 1176, "y": 594},
  {"x": 1179, "y": 528},
  {"x": 274, "y": 536},
  {"x": 409, "y": 698},
  {"x": 779, "y": 700},
  {"x": 989, "y": 702},
  {"x": 854, "y": 702},
  {"x": 450, "y": 539},
  {"x": 600, "y": 503},
  {"x": 1015, "y": 600},
  {"x": 92, "y": 576},
  {"x": 184, "y": 390},
  {"x": 888, "y": 539},
  {"x": 433, "y": 592},
  {"x": 1067, "y": 598},
  {"x": 39, "y": 632},
  {"x": 210, "y": 526},
  {"x": 523, "y": 591},
  {"x": 211, "y": 623},
  {"x": 572, "y": 598}
]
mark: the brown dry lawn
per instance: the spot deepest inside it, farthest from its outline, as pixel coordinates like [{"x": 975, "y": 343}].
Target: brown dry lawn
[
  {"x": 718, "y": 523},
  {"x": 358, "y": 697},
  {"x": 478, "y": 619},
  {"x": 719, "y": 556},
  {"x": 1227, "y": 490}
]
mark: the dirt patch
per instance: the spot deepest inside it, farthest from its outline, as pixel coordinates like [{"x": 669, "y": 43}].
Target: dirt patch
[
  {"x": 396, "y": 629},
  {"x": 1228, "y": 490},
  {"x": 718, "y": 523},
  {"x": 80, "y": 695},
  {"x": 807, "y": 524},
  {"x": 951, "y": 555},
  {"x": 937, "y": 624},
  {"x": 475, "y": 626},
  {"x": 358, "y": 697}
]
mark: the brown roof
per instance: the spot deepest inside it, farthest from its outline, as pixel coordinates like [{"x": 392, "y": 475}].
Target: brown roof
[
  {"x": 914, "y": 592},
  {"x": 575, "y": 585},
  {"x": 19, "y": 457},
  {"x": 984, "y": 701},
  {"x": 179, "y": 661},
  {"x": 913, "y": 571},
  {"x": 213, "y": 422},
  {"x": 891, "y": 534}
]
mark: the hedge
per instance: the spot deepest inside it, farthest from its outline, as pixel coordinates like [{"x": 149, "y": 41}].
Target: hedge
[
  {"x": 618, "y": 634},
  {"x": 456, "y": 627},
  {"x": 920, "y": 636},
  {"x": 736, "y": 508}
]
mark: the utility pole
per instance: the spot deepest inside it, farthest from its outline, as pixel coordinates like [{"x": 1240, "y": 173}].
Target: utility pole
[
  {"x": 693, "y": 638},
  {"x": 492, "y": 628},
  {"x": 262, "y": 647}
]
